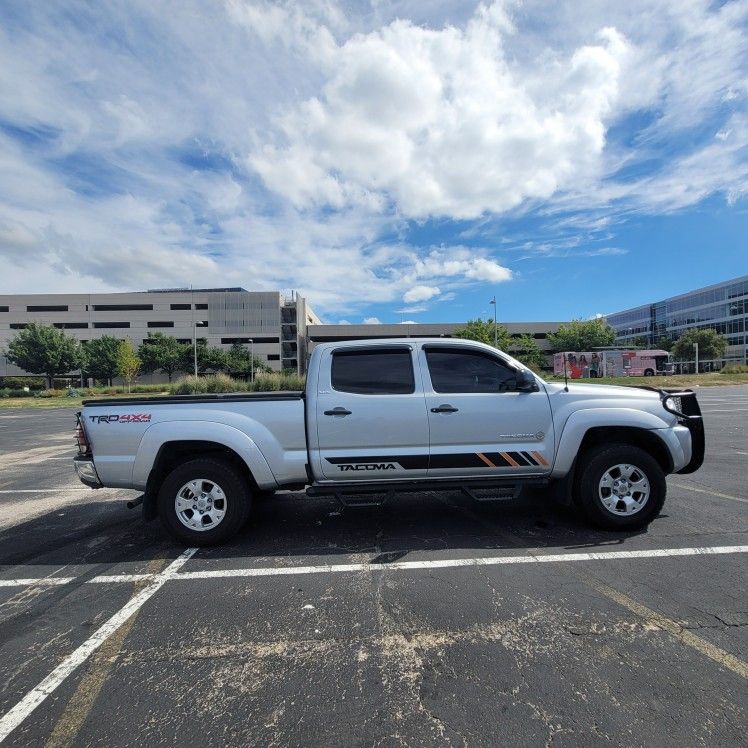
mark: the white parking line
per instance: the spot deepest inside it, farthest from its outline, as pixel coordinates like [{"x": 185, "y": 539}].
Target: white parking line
[
  {"x": 709, "y": 493},
  {"x": 43, "y": 581},
  {"x": 443, "y": 563},
  {"x": 46, "y": 490},
  {"x": 451, "y": 563},
  {"x": 37, "y": 695}
]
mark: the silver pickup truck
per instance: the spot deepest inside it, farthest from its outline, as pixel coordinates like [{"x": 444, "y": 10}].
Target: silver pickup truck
[{"x": 378, "y": 418}]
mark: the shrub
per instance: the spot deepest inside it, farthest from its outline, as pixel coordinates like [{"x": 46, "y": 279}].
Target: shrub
[
  {"x": 221, "y": 383},
  {"x": 189, "y": 385},
  {"x": 735, "y": 369},
  {"x": 52, "y": 393},
  {"x": 13, "y": 392},
  {"x": 18, "y": 383}
]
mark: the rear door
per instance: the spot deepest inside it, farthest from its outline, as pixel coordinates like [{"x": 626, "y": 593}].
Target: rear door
[
  {"x": 480, "y": 425},
  {"x": 371, "y": 415}
]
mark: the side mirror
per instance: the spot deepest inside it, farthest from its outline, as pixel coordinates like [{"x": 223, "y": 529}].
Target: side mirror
[{"x": 526, "y": 382}]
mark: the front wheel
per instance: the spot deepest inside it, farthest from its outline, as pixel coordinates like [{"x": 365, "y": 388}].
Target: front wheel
[
  {"x": 203, "y": 501},
  {"x": 620, "y": 487}
]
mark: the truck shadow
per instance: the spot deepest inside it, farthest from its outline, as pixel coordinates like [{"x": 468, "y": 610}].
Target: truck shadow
[{"x": 291, "y": 525}]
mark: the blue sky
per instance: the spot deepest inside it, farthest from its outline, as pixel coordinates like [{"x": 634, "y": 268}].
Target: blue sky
[{"x": 392, "y": 161}]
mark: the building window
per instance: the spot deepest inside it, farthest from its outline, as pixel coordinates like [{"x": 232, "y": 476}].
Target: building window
[
  {"x": 160, "y": 324},
  {"x": 48, "y": 308},
  {"x": 17, "y": 325},
  {"x": 245, "y": 341},
  {"x": 122, "y": 307},
  {"x": 201, "y": 306},
  {"x": 273, "y": 357},
  {"x": 111, "y": 324},
  {"x": 4, "y": 308},
  {"x": 71, "y": 325},
  {"x": 180, "y": 307}
]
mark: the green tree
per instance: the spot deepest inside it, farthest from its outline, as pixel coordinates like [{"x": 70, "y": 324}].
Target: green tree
[
  {"x": 483, "y": 332},
  {"x": 640, "y": 341},
  {"x": 582, "y": 335},
  {"x": 128, "y": 362},
  {"x": 101, "y": 358},
  {"x": 665, "y": 344},
  {"x": 159, "y": 352},
  {"x": 210, "y": 358},
  {"x": 526, "y": 349},
  {"x": 711, "y": 345},
  {"x": 239, "y": 361},
  {"x": 43, "y": 349}
]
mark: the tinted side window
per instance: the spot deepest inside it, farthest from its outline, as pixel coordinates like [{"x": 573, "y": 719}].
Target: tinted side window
[
  {"x": 387, "y": 372},
  {"x": 465, "y": 371}
]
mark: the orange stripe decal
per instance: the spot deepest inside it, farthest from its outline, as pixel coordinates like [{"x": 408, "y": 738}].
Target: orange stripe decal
[
  {"x": 509, "y": 459},
  {"x": 539, "y": 457},
  {"x": 485, "y": 459}
]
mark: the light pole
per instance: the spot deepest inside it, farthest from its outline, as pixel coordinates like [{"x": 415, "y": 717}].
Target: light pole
[
  {"x": 696, "y": 348},
  {"x": 195, "y": 325},
  {"x": 251, "y": 360},
  {"x": 495, "y": 325}
]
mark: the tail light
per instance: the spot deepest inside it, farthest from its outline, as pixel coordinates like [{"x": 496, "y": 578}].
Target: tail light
[{"x": 81, "y": 438}]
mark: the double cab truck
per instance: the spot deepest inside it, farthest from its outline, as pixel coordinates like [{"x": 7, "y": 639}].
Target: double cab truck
[{"x": 379, "y": 418}]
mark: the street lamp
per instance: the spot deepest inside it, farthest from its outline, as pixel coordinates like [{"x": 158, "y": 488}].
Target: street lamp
[
  {"x": 696, "y": 348},
  {"x": 251, "y": 360},
  {"x": 195, "y": 325},
  {"x": 495, "y": 326}
]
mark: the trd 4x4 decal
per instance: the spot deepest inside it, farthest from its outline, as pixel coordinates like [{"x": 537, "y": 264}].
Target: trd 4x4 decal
[{"x": 124, "y": 418}]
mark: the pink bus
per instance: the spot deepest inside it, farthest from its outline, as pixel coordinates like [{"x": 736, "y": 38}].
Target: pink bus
[{"x": 612, "y": 363}]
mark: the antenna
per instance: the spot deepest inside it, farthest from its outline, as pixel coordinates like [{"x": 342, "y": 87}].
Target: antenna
[{"x": 566, "y": 377}]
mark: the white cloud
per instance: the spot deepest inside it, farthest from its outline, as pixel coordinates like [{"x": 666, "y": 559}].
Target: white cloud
[
  {"x": 408, "y": 322},
  {"x": 343, "y": 322},
  {"x": 371, "y": 321},
  {"x": 441, "y": 123},
  {"x": 420, "y": 293}
]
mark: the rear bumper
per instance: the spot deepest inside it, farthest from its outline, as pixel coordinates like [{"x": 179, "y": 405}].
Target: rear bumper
[{"x": 86, "y": 470}]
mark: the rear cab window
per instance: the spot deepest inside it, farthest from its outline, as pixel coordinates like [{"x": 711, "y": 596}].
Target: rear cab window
[
  {"x": 379, "y": 371},
  {"x": 454, "y": 370}
]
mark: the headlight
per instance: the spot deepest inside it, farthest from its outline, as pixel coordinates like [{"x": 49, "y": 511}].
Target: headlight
[{"x": 672, "y": 403}]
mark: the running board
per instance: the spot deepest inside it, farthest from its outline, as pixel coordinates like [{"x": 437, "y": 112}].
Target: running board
[{"x": 365, "y": 494}]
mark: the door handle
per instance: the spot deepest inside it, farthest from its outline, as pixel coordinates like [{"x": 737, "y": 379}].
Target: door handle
[
  {"x": 444, "y": 409},
  {"x": 338, "y": 412}
]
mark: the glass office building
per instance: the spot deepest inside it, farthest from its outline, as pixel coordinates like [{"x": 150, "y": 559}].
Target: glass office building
[{"x": 722, "y": 307}]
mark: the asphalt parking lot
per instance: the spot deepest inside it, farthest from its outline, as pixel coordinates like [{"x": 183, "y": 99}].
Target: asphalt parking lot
[{"x": 433, "y": 620}]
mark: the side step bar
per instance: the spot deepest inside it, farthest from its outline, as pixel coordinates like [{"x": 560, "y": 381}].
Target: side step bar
[{"x": 376, "y": 494}]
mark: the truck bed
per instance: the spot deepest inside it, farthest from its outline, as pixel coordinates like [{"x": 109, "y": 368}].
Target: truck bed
[{"x": 220, "y": 397}]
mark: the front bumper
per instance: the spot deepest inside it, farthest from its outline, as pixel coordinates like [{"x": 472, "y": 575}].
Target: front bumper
[{"x": 86, "y": 470}]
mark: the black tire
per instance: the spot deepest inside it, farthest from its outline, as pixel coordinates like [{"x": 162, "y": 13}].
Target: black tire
[
  {"x": 593, "y": 466},
  {"x": 649, "y": 373},
  {"x": 235, "y": 490}
]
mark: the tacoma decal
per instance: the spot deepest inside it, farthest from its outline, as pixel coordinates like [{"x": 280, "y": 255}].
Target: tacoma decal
[{"x": 367, "y": 466}]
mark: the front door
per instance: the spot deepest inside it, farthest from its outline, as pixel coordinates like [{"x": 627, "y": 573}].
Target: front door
[
  {"x": 371, "y": 416},
  {"x": 479, "y": 424}
]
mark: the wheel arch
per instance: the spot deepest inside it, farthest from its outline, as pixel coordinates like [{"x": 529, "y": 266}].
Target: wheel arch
[
  {"x": 173, "y": 453},
  {"x": 643, "y": 438}
]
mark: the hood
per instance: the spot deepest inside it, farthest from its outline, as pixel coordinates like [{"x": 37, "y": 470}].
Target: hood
[{"x": 612, "y": 390}]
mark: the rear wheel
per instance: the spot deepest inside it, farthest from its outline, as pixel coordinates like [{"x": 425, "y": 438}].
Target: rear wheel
[
  {"x": 204, "y": 501},
  {"x": 649, "y": 372},
  {"x": 620, "y": 487}
]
